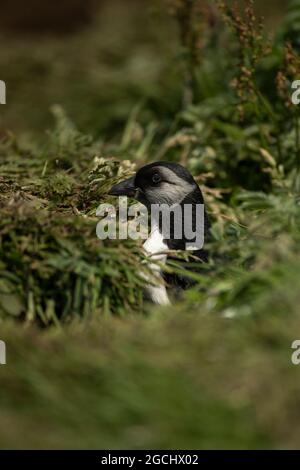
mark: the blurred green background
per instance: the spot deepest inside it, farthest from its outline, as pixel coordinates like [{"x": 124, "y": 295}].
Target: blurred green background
[
  {"x": 212, "y": 371},
  {"x": 97, "y": 58}
]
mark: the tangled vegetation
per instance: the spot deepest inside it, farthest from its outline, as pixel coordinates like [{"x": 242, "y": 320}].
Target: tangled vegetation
[{"x": 162, "y": 377}]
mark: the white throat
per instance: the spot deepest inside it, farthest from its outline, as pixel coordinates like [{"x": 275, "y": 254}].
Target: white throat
[
  {"x": 157, "y": 248},
  {"x": 155, "y": 244}
]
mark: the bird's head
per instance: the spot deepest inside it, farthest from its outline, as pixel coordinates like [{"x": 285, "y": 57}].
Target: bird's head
[{"x": 158, "y": 183}]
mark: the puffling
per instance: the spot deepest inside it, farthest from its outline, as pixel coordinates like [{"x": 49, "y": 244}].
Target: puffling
[{"x": 169, "y": 184}]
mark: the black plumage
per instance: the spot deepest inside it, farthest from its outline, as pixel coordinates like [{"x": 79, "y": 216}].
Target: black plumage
[{"x": 171, "y": 184}]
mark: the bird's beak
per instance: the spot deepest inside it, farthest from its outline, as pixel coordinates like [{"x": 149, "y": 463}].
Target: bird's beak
[{"x": 125, "y": 188}]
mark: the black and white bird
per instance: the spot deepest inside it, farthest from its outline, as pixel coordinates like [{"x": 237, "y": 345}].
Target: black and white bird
[{"x": 170, "y": 184}]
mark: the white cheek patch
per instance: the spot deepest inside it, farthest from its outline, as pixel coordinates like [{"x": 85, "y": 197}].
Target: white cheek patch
[{"x": 169, "y": 193}]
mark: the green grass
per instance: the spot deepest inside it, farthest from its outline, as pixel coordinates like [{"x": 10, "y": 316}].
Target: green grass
[
  {"x": 89, "y": 363},
  {"x": 177, "y": 379}
]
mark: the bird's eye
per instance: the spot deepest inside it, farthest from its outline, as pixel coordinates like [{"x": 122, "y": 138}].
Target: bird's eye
[{"x": 156, "y": 178}]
